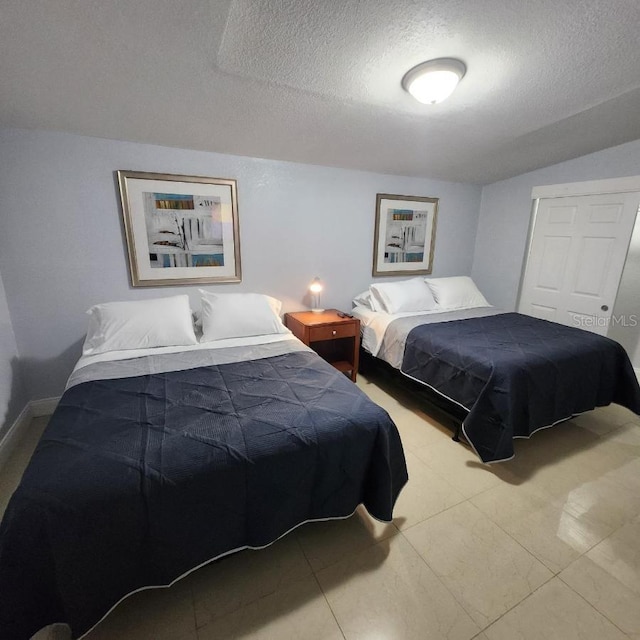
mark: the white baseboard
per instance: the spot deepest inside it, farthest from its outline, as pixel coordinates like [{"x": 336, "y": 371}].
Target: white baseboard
[
  {"x": 33, "y": 409},
  {"x": 44, "y": 407}
]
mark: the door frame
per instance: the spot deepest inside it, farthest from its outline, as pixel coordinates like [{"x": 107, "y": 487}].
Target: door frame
[{"x": 570, "y": 189}]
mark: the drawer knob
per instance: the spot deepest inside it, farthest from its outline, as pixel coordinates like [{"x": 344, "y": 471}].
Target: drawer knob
[{"x": 333, "y": 333}]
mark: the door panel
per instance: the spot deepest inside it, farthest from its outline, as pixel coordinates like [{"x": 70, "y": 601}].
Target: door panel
[
  {"x": 553, "y": 262},
  {"x": 577, "y": 253},
  {"x": 562, "y": 214},
  {"x": 546, "y": 313},
  {"x": 605, "y": 213},
  {"x": 594, "y": 260}
]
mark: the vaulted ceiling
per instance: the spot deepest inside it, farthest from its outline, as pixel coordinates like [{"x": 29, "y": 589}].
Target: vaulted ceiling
[{"x": 318, "y": 81}]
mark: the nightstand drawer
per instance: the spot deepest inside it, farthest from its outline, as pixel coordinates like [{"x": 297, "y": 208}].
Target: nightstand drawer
[{"x": 332, "y": 332}]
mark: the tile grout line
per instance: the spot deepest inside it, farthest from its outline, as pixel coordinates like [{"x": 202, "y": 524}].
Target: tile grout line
[
  {"x": 301, "y": 548},
  {"x": 553, "y": 575},
  {"x": 593, "y": 606},
  {"x": 533, "y": 555},
  {"x": 193, "y": 608},
  {"x": 553, "y": 571},
  {"x": 315, "y": 577},
  {"x": 433, "y": 515},
  {"x": 517, "y": 604},
  {"x": 435, "y": 573},
  {"x": 324, "y": 595}
]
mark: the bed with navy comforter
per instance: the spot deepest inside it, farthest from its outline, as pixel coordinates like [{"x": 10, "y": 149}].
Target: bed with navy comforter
[
  {"x": 513, "y": 373},
  {"x": 154, "y": 466}
]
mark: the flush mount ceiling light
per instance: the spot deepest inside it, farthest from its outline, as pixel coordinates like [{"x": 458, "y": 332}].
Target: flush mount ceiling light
[{"x": 434, "y": 81}]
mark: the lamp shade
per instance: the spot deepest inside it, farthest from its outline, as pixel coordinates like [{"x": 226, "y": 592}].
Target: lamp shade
[
  {"x": 435, "y": 80},
  {"x": 316, "y": 289},
  {"x": 315, "y": 286}
]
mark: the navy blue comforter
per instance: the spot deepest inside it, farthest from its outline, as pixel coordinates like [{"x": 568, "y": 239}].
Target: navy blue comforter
[
  {"x": 516, "y": 374},
  {"x": 138, "y": 480}
]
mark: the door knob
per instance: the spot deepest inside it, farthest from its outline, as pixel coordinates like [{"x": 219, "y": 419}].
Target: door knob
[{"x": 604, "y": 307}]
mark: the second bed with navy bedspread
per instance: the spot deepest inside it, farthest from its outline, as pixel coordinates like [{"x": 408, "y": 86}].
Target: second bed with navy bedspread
[{"x": 516, "y": 374}]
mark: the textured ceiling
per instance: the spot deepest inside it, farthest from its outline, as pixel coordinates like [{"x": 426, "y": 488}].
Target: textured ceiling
[{"x": 319, "y": 81}]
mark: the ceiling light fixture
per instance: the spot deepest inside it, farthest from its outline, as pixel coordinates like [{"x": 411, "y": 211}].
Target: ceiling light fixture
[{"x": 434, "y": 81}]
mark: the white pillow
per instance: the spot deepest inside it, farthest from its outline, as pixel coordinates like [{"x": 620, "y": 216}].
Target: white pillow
[
  {"x": 406, "y": 295},
  {"x": 457, "y": 292},
  {"x": 162, "y": 322},
  {"x": 365, "y": 299},
  {"x": 274, "y": 303},
  {"x": 238, "y": 315}
]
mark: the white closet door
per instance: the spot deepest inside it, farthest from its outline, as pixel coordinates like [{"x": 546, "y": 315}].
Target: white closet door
[{"x": 578, "y": 251}]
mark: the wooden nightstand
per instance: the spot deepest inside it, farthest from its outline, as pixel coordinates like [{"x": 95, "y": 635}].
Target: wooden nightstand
[{"x": 335, "y": 339}]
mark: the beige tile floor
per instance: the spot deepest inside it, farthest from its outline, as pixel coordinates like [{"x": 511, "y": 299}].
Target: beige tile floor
[{"x": 542, "y": 547}]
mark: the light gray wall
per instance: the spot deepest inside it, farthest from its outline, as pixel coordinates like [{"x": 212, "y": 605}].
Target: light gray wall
[
  {"x": 61, "y": 248},
  {"x": 505, "y": 212},
  {"x": 12, "y": 396}
]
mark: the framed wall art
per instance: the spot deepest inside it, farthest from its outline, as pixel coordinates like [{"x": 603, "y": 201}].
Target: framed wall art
[
  {"x": 180, "y": 229},
  {"x": 405, "y": 235}
]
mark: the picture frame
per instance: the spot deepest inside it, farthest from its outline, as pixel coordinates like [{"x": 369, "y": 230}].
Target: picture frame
[
  {"x": 405, "y": 234},
  {"x": 180, "y": 229}
]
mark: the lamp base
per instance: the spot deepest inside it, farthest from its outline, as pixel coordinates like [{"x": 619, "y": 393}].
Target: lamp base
[{"x": 317, "y": 310}]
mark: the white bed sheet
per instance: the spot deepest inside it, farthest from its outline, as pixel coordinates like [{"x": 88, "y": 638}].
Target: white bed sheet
[
  {"x": 215, "y": 344},
  {"x": 373, "y": 324}
]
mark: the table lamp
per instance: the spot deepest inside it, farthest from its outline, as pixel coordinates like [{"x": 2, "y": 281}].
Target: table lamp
[{"x": 316, "y": 288}]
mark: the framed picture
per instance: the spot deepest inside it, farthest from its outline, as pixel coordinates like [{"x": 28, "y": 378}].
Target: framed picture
[
  {"x": 180, "y": 229},
  {"x": 405, "y": 235}
]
